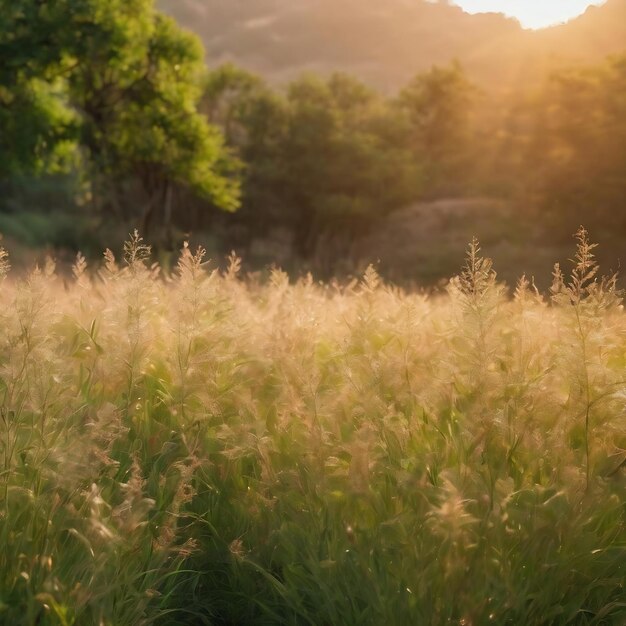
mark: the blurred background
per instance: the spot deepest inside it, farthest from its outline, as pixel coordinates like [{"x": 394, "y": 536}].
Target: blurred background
[{"x": 315, "y": 135}]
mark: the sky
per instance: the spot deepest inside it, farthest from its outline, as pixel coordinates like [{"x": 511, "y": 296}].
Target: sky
[{"x": 531, "y": 13}]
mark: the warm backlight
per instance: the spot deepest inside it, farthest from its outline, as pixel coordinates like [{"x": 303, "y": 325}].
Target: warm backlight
[{"x": 531, "y": 13}]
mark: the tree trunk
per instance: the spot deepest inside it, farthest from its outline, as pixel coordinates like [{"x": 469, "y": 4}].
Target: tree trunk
[{"x": 168, "y": 236}]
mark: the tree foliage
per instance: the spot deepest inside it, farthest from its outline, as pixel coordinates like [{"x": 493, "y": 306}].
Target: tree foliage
[
  {"x": 325, "y": 159},
  {"x": 438, "y": 107},
  {"x": 579, "y": 144},
  {"x": 328, "y": 158},
  {"x": 120, "y": 80}
]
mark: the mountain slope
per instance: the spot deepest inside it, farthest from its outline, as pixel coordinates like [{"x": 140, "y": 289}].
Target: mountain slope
[{"x": 385, "y": 42}]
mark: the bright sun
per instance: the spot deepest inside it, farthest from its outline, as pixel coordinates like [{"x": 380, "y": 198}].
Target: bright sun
[{"x": 531, "y": 13}]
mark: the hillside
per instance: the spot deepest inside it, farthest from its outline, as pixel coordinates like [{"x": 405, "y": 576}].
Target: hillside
[{"x": 385, "y": 43}]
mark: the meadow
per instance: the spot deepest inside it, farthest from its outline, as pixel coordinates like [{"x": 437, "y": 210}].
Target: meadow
[{"x": 197, "y": 447}]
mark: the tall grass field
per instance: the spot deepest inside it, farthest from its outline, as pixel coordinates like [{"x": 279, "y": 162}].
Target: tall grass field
[{"x": 197, "y": 448}]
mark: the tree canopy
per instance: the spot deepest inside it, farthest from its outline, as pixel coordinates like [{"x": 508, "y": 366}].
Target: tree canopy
[{"x": 120, "y": 83}]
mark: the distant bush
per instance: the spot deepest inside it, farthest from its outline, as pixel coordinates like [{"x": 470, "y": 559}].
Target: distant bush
[{"x": 68, "y": 231}]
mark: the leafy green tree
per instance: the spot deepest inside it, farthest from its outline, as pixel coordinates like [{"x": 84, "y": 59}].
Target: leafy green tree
[
  {"x": 229, "y": 96},
  {"x": 325, "y": 160},
  {"x": 37, "y": 130},
  {"x": 254, "y": 119},
  {"x": 131, "y": 79},
  {"x": 140, "y": 119},
  {"x": 438, "y": 106},
  {"x": 345, "y": 160},
  {"x": 36, "y": 125}
]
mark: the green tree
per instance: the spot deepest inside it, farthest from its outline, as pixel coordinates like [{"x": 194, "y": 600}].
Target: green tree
[
  {"x": 325, "y": 160},
  {"x": 254, "y": 119},
  {"x": 438, "y": 106},
  {"x": 345, "y": 160},
  {"x": 36, "y": 125},
  {"x": 229, "y": 97},
  {"x": 37, "y": 130},
  {"x": 131, "y": 79}
]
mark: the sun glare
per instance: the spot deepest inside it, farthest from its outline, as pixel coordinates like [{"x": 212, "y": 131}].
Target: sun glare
[{"x": 531, "y": 13}]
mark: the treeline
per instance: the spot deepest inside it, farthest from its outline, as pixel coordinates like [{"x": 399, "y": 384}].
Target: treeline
[
  {"x": 328, "y": 158},
  {"x": 115, "y": 99},
  {"x": 561, "y": 148}
]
